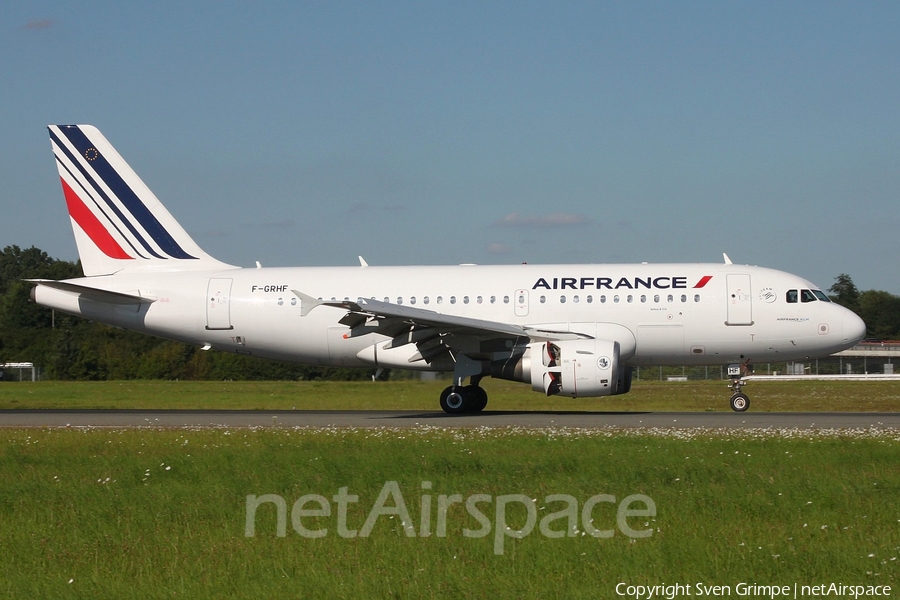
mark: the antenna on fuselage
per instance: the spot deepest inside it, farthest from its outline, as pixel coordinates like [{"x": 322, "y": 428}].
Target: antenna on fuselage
[{"x": 727, "y": 260}]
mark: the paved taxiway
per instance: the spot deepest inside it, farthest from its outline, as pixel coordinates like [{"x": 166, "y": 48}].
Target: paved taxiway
[{"x": 381, "y": 418}]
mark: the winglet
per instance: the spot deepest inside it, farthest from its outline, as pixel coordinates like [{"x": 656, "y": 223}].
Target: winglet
[{"x": 307, "y": 302}]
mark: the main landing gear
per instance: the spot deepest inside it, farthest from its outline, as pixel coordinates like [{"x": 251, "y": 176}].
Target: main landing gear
[
  {"x": 457, "y": 399},
  {"x": 740, "y": 402}
]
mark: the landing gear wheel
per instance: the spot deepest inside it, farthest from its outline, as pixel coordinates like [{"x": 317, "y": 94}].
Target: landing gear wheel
[
  {"x": 740, "y": 402},
  {"x": 453, "y": 400},
  {"x": 478, "y": 398}
]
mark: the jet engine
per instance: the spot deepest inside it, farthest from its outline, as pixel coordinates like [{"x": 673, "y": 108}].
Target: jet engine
[{"x": 570, "y": 368}]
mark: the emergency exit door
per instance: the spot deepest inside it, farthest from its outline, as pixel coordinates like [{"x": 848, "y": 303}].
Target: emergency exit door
[{"x": 521, "y": 300}]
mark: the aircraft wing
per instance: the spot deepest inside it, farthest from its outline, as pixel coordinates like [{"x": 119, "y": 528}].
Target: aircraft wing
[{"x": 407, "y": 324}]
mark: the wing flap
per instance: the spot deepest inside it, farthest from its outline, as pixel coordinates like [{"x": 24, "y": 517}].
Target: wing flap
[{"x": 396, "y": 321}]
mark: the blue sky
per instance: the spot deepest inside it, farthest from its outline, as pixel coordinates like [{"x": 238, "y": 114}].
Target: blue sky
[{"x": 306, "y": 133}]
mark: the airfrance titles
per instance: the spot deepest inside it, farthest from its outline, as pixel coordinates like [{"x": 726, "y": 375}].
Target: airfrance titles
[{"x": 664, "y": 282}]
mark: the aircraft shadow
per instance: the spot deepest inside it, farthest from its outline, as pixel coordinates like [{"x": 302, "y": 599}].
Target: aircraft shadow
[{"x": 506, "y": 413}]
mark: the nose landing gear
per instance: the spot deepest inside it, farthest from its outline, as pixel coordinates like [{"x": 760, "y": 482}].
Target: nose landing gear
[{"x": 740, "y": 402}]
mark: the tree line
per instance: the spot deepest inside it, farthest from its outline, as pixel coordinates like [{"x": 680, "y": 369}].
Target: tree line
[{"x": 73, "y": 348}]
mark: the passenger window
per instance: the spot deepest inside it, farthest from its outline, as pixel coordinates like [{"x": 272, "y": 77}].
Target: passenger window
[
  {"x": 671, "y": 298},
  {"x": 807, "y": 296},
  {"x": 479, "y": 300},
  {"x": 440, "y": 299},
  {"x": 603, "y": 299},
  {"x": 399, "y": 299},
  {"x": 293, "y": 302},
  {"x": 590, "y": 299},
  {"x": 575, "y": 299},
  {"x": 696, "y": 297},
  {"x": 643, "y": 298},
  {"x": 792, "y": 296},
  {"x": 506, "y": 299},
  {"x": 543, "y": 299},
  {"x": 684, "y": 297},
  {"x": 452, "y": 299},
  {"x": 616, "y": 299},
  {"x": 630, "y": 298},
  {"x": 493, "y": 299},
  {"x": 465, "y": 299},
  {"x": 412, "y": 299},
  {"x": 425, "y": 300}
]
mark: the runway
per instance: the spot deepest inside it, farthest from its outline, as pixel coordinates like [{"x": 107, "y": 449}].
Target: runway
[{"x": 400, "y": 419}]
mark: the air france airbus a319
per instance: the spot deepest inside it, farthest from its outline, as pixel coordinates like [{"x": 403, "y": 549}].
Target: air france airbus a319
[{"x": 568, "y": 330}]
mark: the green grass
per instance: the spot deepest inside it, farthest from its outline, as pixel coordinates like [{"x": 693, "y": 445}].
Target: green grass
[
  {"x": 161, "y": 513},
  {"x": 850, "y": 396}
]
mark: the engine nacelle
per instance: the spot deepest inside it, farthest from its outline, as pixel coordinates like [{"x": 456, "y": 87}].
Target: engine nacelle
[{"x": 571, "y": 368}]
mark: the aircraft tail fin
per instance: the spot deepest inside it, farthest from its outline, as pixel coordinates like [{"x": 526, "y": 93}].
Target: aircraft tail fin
[{"x": 119, "y": 224}]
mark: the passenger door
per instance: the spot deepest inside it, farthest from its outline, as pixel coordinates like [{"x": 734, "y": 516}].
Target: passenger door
[
  {"x": 740, "y": 310},
  {"x": 218, "y": 304}
]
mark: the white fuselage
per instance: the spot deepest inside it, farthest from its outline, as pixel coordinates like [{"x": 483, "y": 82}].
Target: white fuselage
[{"x": 660, "y": 314}]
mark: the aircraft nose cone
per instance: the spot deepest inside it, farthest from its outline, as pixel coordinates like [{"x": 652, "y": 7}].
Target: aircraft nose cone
[{"x": 854, "y": 327}]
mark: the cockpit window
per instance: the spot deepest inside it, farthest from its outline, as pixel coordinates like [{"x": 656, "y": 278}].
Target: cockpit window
[
  {"x": 792, "y": 296},
  {"x": 807, "y": 296},
  {"x": 821, "y": 295}
]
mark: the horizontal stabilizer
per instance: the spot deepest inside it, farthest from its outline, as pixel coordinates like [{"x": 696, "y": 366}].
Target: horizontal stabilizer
[{"x": 95, "y": 294}]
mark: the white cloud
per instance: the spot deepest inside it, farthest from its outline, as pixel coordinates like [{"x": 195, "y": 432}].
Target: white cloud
[
  {"x": 556, "y": 219},
  {"x": 39, "y": 24},
  {"x": 497, "y": 248}
]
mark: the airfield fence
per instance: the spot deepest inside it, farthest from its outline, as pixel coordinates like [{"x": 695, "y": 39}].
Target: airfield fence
[
  {"x": 821, "y": 366},
  {"x": 870, "y": 358}
]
